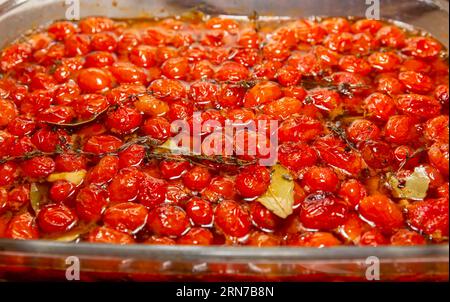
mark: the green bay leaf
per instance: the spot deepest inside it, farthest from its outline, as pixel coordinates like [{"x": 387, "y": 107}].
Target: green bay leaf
[
  {"x": 413, "y": 187},
  {"x": 38, "y": 196},
  {"x": 279, "y": 197}
]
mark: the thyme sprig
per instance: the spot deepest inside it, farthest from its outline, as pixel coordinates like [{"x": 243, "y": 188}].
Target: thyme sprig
[
  {"x": 409, "y": 157},
  {"x": 345, "y": 89},
  {"x": 336, "y": 129},
  {"x": 154, "y": 150},
  {"x": 202, "y": 159}
]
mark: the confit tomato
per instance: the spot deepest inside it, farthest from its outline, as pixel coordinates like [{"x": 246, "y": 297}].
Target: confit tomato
[{"x": 168, "y": 220}]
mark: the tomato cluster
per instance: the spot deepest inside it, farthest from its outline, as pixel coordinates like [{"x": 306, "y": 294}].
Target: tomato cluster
[{"x": 356, "y": 100}]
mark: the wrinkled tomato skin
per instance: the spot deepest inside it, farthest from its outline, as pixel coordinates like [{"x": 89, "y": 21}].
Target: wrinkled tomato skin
[
  {"x": 8, "y": 173},
  {"x": 283, "y": 108},
  {"x": 21, "y": 147},
  {"x": 77, "y": 45},
  {"x": 109, "y": 236},
  {"x": 262, "y": 93},
  {"x": 320, "y": 179},
  {"x": 18, "y": 197},
  {"x": 296, "y": 156},
  {"x": 168, "y": 220},
  {"x": 220, "y": 188},
  {"x": 38, "y": 167},
  {"x": 197, "y": 236},
  {"x": 70, "y": 162},
  {"x": 21, "y": 126},
  {"x": 125, "y": 185},
  {"x": 252, "y": 181},
  {"x": 416, "y": 82},
  {"x": 57, "y": 115},
  {"x": 157, "y": 128},
  {"x": 22, "y": 227},
  {"x": 102, "y": 144},
  {"x": 88, "y": 106},
  {"x": 407, "y": 238},
  {"x": 401, "y": 129},
  {"x": 231, "y": 218},
  {"x": 422, "y": 47},
  {"x": 200, "y": 212},
  {"x": 373, "y": 238},
  {"x": 263, "y": 218},
  {"x": 430, "y": 216},
  {"x": 197, "y": 178},
  {"x": 442, "y": 95},
  {"x": 47, "y": 140},
  {"x": 376, "y": 154},
  {"x": 56, "y": 219},
  {"x": 299, "y": 129},
  {"x": 420, "y": 106},
  {"x": 353, "y": 192},
  {"x": 382, "y": 211},
  {"x": 62, "y": 192},
  {"x": 380, "y": 106},
  {"x": 126, "y": 217},
  {"x": 90, "y": 203},
  {"x": 3, "y": 201},
  {"x": 124, "y": 120},
  {"x": 173, "y": 169},
  {"x": 168, "y": 90},
  {"x": 152, "y": 191},
  {"x": 104, "y": 171},
  {"x": 333, "y": 151},
  {"x": 133, "y": 156},
  {"x": 8, "y": 112},
  {"x": 437, "y": 129},
  {"x": 438, "y": 155},
  {"x": 362, "y": 130},
  {"x": 93, "y": 80},
  {"x": 313, "y": 239},
  {"x": 323, "y": 212}
]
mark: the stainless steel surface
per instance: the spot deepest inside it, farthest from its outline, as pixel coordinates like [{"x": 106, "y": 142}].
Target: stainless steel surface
[
  {"x": 432, "y": 16},
  {"x": 18, "y": 16}
]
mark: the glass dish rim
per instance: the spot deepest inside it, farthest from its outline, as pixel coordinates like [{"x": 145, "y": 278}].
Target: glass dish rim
[{"x": 208, "y": 253}]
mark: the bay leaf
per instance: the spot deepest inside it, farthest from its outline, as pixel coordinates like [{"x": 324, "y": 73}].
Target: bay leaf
[
  {"x": 38, "y": 196},
  {"x": 279, "y": 197},
  {"x": 75, "y": 178},
  {"x": 80, "y": 122},
  {"x": 74, "y": 234},
  {"x": 413, "y": 187}
]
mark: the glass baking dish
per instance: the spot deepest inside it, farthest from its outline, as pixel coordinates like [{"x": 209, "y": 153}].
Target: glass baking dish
[{"x": 45, "y": 260}]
